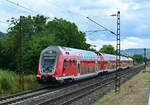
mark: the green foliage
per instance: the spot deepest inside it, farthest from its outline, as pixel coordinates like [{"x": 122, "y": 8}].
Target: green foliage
[
  {"x": 108, "y": 49},
  {"x": 6, "y": 80},
  {"x": 5, "y": 84},
  {"x": 32, "y": 51},
  {"x": 66, "y": 34},
  {"x": 38, "y": 33},
  {"x": 2, "y": 36},
  {"x": 9, "y": 82},
  {"x": 138, "y": 59},
  {"x": 8, "y": 53}
]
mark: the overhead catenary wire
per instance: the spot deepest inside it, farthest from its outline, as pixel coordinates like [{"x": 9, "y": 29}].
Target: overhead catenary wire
[
  {"x": 69, "y": 11},
  {"x": 4, "y": 22},
  {"x": 63, "y": 9},
  {"x": 23, "y": 10},
  {"x": 21, "y": 6},
  {"x": 94, "y": 30},
  {"x": 101, "y": 26}
]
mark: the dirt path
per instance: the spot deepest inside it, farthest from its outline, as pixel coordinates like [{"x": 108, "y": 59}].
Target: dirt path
[{"x": 133, "y": 92}]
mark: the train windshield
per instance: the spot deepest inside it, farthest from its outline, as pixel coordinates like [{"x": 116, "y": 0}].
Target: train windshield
[{"x": 48, "y": 62}]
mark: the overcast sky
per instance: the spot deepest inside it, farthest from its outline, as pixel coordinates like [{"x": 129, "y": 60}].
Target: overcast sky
[{"x": 135, "y": 18}]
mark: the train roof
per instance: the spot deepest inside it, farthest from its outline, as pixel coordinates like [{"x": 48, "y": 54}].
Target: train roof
[
  {"x": 113, "y": 57},
  {"x": 84, "y": 53}
]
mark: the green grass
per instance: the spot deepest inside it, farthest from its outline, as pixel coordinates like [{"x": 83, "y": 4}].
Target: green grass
[
  {"x": 112, "y": 92},
  {"x": 9, "y": 82}
]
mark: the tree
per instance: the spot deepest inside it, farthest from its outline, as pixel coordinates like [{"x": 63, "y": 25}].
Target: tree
[
  {"x": 67, "y": 34},
  {"x": 108, "y": 49},
  {"x": 33, "y": 49},
  {"x": 38, "y": 34},
  {"x": 138, "y": 59},
  {"x": 32, "y": 26}
]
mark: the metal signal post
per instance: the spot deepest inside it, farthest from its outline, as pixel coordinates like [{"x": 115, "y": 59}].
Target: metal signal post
[
  {"x": 145, "y": 58},
  {"x": 117, "y": 81},
  {"x": 21, "y": 54},
  {"x": 117, "y": 77}
]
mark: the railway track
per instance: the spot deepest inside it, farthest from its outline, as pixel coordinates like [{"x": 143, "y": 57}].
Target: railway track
[
  {"x": 68, "y": 98},
  {"x": 24, "y": 95},
  {"x": 65, "y": 94}
]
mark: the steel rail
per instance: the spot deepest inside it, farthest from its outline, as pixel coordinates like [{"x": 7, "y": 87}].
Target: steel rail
[
  {"x": 22, "y": 96},
  {"x": 75, "y": 91},
  {"x": 21, "y": 93},
  {"x": 97, "y": 85},
  {"x": 88, "y": 92}
]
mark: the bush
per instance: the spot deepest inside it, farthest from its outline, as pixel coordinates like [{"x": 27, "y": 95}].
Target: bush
[
  {"x": 9, "y": 82},
  {"x": 6, "y": 84},
  {"x": 6, "y": 80},
  {"x": 138, "y": 59}
]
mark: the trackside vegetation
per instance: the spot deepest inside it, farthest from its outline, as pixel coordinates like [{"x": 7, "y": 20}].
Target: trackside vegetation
[
  {"x": 39, "y": 33},
  {"x": 9, "y": 82},
  {"x": 132, "y": 92}
]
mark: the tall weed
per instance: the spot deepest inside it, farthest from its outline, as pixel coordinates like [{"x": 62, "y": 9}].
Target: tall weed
[{"x": 9, "y": 82}]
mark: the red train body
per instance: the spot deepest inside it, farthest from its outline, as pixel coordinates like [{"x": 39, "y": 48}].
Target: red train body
[{"x": 66, "y": 64}]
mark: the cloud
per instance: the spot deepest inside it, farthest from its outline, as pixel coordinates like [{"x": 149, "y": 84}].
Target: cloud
[
  {"x": 128, "y": 42},
  {"x": 140, "y": 28},
  {"x": 3, "y": 26},
  {"x": 134, "y": 17}
]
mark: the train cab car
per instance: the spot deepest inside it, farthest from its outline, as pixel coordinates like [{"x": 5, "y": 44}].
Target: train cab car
[
  {"x": 63, "y": 64},
  {"x": 47, "y": 64},
  {"x": 66, "y": 64}
]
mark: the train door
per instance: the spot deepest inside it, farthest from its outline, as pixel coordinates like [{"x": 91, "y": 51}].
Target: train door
[
  {"x": 75, "y": 72},
  {"x": 96, "y": 66},
  {"x": 78, "y": 68},
  {"x": 101, "y": 64}
]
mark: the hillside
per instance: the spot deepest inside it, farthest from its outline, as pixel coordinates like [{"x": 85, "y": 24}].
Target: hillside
[
  {"x": 2, "y": 36},
  {"x": 135, "y": 51}
]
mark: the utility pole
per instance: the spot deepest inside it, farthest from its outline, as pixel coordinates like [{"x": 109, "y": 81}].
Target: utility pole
[
  {"x": 21, "y": 54},
  {"x": 145, "y": 59},
  {"x": 117, "y": 77}
]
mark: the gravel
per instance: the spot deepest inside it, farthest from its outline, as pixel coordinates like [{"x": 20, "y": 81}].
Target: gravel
[{"x": 87, "y": 100}]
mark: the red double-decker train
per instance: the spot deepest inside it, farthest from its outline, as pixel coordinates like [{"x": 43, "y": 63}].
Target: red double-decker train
[{"x": 63, "y": 64}]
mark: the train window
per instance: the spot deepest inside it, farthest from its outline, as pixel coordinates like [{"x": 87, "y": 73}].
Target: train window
[
  {"x": 64, "y": 66},
  {"x": 82, "y": 70},
  {"x": 93, "y": 68},
  {"x": 87, "y": 69},
  {"x": 74, "y": 63},
  {"x": 113, "y": 66},
  {"x": 90, "y": 69},
  {"x": 78, "y": 67},
  {"x": 105, "y": 62},
  {"x": 70, "y": 63}
]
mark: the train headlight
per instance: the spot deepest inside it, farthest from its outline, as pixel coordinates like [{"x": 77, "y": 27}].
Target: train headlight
[{"x": 50, "y": 51}]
